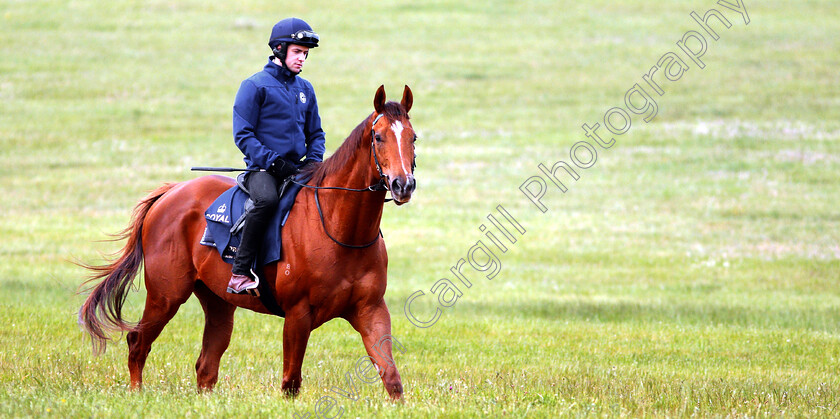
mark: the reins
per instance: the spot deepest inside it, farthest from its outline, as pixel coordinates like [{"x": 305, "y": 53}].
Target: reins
[
  {"x": 376, "y": 187},
  {"x": 324, "y": 225},
  {"x": 380, "y": 186}
]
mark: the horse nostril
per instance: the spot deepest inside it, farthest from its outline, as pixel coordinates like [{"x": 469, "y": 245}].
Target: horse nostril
[
  {"x": 412, "y": 184},
  {"x": 395, "y": 185}
]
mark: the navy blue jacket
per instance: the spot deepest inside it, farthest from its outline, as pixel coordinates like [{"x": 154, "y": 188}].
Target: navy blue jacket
[{"x": 275, "y": 114}]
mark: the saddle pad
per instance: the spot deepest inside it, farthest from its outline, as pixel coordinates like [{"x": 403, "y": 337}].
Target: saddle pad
[{"x": 228, "y": 207}]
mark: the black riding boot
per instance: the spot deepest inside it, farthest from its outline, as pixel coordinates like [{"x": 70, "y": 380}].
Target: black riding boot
[{"x": 262, "y": 188}]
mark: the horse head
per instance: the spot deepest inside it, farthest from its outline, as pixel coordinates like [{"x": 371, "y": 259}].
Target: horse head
[{"x": 392, "y": 144}]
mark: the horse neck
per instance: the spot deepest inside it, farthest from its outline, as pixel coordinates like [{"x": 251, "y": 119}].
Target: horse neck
[{"x": 358, "y": 213}]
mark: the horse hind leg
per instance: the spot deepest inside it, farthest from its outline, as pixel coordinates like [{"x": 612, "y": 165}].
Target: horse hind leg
[
  {"x": 218, "y": 326},
  {"x": 160, "y": 308}
]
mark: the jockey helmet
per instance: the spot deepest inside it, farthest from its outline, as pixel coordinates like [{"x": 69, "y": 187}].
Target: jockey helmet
[{"x": 291, "y": 31}]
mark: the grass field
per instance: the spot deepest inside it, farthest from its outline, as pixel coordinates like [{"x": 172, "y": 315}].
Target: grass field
[{"x": 692, "y": 270}]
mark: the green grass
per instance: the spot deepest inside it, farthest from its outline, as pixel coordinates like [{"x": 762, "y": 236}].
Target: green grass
[{"x": 692, "y": 270}]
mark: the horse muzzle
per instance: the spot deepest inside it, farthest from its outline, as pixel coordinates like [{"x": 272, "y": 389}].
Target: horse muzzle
[{"x": 401, "y": 188}]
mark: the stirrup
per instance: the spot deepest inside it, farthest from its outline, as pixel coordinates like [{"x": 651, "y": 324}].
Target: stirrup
[{"x": 251, "y": 289}]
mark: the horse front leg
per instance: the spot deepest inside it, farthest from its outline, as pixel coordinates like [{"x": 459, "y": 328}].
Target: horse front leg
[
  {"x": 296, "y": 330},
  {"x": 373, "y": 322}
]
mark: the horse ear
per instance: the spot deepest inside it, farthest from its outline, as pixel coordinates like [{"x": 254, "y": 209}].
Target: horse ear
[
  {"x": 379, "y": 99},
  {"x": 407, "y": 99}
]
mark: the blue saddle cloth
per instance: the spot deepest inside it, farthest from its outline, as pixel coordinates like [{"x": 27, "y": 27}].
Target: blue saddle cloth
[{"x": 226, "y": 210}]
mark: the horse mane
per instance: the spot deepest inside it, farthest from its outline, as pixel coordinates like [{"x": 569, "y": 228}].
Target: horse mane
[{"x": 341, "y": 157}]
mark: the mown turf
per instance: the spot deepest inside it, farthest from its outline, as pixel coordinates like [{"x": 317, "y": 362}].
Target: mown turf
[{"x": 692, "y": 270}]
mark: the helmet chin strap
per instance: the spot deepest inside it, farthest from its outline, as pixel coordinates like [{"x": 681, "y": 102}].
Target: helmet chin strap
[{"x": 280, "y": 53}]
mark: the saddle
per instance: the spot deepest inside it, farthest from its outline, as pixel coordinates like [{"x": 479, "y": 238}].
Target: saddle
[
  {"x": 224, "y": 234},
  {"x": 226, "y": 216},
  {"x": 249, "y": 203}
]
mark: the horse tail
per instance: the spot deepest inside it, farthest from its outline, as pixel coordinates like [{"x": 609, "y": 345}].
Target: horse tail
[{"x": 102, "y": 311}]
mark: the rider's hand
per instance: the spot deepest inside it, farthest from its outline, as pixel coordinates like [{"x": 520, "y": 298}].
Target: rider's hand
[{"x": 282, "y": 168}]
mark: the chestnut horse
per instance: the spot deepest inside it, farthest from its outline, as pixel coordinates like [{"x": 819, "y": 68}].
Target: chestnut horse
[{"x": 333, "y": 263}]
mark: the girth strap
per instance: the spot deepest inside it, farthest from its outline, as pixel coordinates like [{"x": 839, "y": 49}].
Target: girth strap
[{"x": 267, "y": 296}]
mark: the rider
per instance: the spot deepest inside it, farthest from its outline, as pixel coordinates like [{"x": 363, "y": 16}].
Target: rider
[{"x": 275, "y": 124}]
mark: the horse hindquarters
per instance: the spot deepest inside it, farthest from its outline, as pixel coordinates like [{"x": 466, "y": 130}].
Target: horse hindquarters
[
  {"x": 102, "y": 311},
  {"x": 170, "y": 276}
]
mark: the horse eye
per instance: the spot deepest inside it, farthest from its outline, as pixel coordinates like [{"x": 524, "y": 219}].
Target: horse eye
[
  {"x": 378, "y": 138},
  {"x": 415, "y": 138}
]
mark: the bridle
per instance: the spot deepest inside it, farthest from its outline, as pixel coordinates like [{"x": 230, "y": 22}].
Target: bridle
[
  {"x": 379, "y": 186},
  {"x": 373, "y": 149}
]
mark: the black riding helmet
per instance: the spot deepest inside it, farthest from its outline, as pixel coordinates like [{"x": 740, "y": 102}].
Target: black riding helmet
[{"x": 291, "y": 31}]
